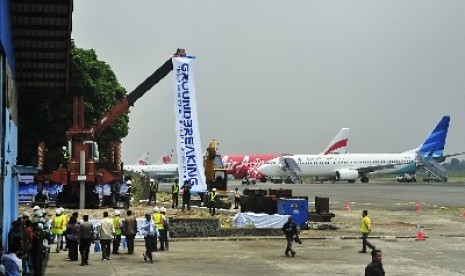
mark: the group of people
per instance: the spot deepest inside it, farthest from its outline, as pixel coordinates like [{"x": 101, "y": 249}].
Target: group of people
[{"x": 26, "y": 247}]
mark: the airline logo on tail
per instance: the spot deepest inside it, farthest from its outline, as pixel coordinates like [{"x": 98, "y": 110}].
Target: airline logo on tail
[
  {"x": 143, "y": 159},
  {"x": 433, "y": 146},
  {"x": 339, "y": 144},
  {"x": 166, "y": 158}
]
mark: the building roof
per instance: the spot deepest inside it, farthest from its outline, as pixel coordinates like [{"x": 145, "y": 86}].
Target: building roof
[{"x": 41, "y": 31}]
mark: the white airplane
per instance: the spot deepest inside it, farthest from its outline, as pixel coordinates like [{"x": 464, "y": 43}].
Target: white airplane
[
  {"x": 352, "y": 166},
  {"x": 158, "y": 170}
]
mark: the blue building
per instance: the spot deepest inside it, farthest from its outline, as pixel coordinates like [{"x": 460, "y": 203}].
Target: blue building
[{"x": 35, "y": 38}]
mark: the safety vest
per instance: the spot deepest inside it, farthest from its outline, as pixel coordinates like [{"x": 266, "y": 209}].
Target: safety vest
[
  {"x": 175, "y": 189},
  {"x": 365, "y": 225},
  {"x": 117, "y": 225},
  {"x": 58, "y": 225},
  {"x": 65, "y": 220},
  {"x": 158, "y": 219},
  {"x": 212, "y": 197}
]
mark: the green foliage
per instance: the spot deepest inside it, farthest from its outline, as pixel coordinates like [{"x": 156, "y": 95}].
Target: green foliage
[{"x": 48, "y": 120}]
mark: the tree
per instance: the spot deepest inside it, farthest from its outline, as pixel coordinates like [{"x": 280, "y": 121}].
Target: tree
[{"x": 48, "y": 120}]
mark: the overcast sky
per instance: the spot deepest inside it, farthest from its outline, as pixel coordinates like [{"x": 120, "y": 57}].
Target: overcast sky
[{"x": 284, "y": 76}]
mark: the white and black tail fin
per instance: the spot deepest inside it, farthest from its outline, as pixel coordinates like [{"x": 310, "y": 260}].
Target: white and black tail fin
[{"x": 339, "y": 144}]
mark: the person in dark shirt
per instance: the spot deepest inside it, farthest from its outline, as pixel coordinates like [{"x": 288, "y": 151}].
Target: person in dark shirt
[
  {"x": 290, "y": 230},
  {"x": 375, "y": 268}
]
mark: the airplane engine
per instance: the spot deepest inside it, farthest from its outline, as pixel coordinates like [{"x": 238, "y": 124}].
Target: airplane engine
[{"x": 350, "y": 175}]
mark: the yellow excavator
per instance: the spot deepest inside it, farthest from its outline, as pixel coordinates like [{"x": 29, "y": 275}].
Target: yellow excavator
[{"x": 216, "y": 176}]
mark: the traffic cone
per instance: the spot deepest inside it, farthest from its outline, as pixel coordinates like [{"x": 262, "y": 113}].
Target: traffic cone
[
  {"x": 420, "y": 235},
  {"x": 417, "y": 207},
  {"x": 347, "y": 206}
]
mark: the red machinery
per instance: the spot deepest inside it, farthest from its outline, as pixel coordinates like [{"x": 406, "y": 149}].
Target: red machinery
[{"x": 85, "y": 168}]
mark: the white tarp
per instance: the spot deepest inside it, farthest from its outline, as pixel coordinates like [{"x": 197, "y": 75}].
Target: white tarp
[
  {"x": 244, "y": 220},
  {"x": 190, "y": 157}
]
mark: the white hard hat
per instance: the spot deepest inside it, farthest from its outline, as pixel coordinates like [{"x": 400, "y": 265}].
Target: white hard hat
[
  {"x": 58, "y": 211},
  {"x": 214, "y": 189},
  {"x": 163, "y": 209},
  {"x": 64, "y": 147},
  {"x": 62, "y": 209},
  {"x": 117, "y": 213},
  {"x": 156, "y": 209},
  {"x": 36, "y": 208}
]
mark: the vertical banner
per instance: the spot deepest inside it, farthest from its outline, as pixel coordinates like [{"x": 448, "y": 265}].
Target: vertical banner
[{"x": 190, "y": 158}]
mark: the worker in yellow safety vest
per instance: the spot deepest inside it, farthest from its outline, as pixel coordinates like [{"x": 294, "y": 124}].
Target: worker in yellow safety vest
[
  {"x": 212, "y": 203},
  {"x": 58, "y": 225},
  {"x": 159, "y": 220},
  {"x": 117, "y": 223},
  {"x": 66, "y": 219}
]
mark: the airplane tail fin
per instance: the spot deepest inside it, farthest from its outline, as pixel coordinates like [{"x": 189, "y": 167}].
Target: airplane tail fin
[
  {"x": 339, "y": 144},
  {"x": 166, "y": 157},
  {"x": 434, "y": 144},
  {"x": 144, "y": 158}
]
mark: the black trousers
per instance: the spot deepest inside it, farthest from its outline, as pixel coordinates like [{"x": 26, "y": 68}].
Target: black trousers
[
  {"x": 84, "y": 248},
  {"x": 116, "y": 243},
  {"x": 366, "y": 243},
  {"x": 73, "y": 249},
  {"x": 186, "y": 201},
  {"x": 130, "y": 242},
  {"x": 175, "y": 200},
  {"x": 150, "y": 241},
  {"x": 106, "y": 244}
]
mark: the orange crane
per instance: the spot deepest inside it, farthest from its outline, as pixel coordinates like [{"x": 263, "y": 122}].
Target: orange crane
[{"x": 86, "y": 168}]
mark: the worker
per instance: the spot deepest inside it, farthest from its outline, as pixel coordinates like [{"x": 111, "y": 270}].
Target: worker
[
  {"x": 365, "y": 229},
  {"x": 129, "y": 193},
  {"x": 290, "y": 230},
  {"x": 153, "y": 191},
  {"x": 130, "y": 230},
  {"x": 117, "y": 222},
  {"x": 86, "y": 235},
  {"x": 212, "y": 202},
  {"x": 166, "y": 229},
  {"x": 58, "y": 224},
  {"x": 237, "y": 197},
  {"x": 106, "y": 235},
  {"x": 186, "y": 195},
  {"x": 150, "y": 233},
  {"x": 65, "y": 157},
  {"x": 159, "y": 220},
  {"x": 63, "y": 237},
  {"x": 175, "y": 194}
]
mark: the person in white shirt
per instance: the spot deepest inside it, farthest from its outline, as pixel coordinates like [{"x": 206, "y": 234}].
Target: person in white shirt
[
  {"x": 150, "y": 233},
  {"x": 106, "y": 235},
  {"x": 13, "y": 265}
]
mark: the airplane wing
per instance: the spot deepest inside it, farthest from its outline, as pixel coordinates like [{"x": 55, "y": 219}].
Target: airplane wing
[{"x": 373, "y": 168}]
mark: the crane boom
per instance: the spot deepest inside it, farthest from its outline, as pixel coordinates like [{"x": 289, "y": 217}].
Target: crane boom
[{"x": 123, "y": 105}]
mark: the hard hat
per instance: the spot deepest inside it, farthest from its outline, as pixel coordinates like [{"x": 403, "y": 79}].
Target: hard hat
[
  {"x": 214, "y": 189},
  {"x": 36, "y": 208},
  {"x": 64, "y": 147},
  {"x": 58, "y": 211},
  {"x": 163, "y": 209},
  {"x": 62, "y": 209},
  {"x": 147, "y": 213},
  {"x": 25, "y": 214},
  {"x": 156, "y": 209},
  {"x": 117, "y": 213}
]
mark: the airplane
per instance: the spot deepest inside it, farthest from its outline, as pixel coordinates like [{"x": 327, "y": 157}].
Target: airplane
[
  {"x": 242, "y": 166},
  {"x": 162, "y": 170},
  {"x": 352, "y": 166}
]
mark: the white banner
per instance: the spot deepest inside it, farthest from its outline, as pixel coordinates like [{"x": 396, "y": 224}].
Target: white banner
[{"x": 190, "y": 157}]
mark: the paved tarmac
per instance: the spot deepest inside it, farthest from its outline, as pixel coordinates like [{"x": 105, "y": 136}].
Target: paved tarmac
[{"x": 323, "y": 252}]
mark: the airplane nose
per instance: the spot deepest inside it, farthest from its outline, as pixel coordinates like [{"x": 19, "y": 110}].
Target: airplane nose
[{"x": 264, "y": 169}]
